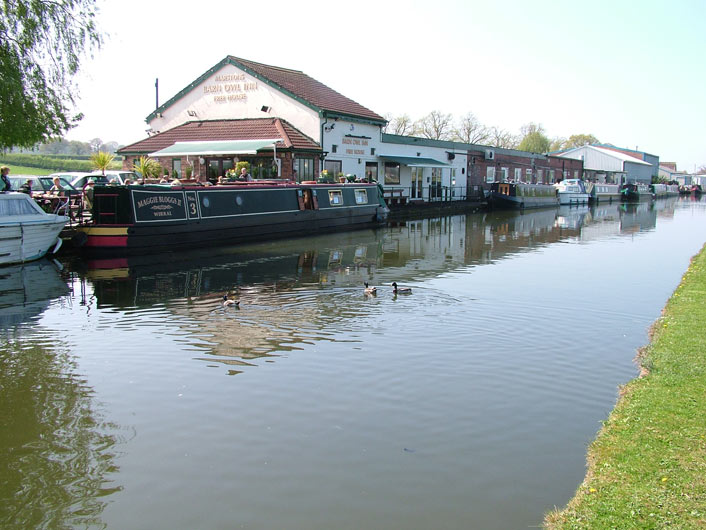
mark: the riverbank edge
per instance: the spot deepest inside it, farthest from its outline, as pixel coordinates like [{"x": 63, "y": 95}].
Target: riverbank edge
[{"x": 647, "y": 466}]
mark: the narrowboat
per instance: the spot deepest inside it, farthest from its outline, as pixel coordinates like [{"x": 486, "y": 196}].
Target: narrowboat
[
  {"x": 522, "y": 195},
  {"x": 636, "y": 192},
  {"x": 138, "y": 219},
  {"x": 572, "y": 191},
  {"x": 659, "y": 191},
  {"x": 603, "y": 192}
]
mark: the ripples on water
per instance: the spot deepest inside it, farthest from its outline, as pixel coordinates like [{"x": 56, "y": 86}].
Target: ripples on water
[{"x": 468, "y": 403}]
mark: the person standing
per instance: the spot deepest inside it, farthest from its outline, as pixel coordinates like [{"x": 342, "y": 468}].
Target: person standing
[{"x": 7, "y": 185}]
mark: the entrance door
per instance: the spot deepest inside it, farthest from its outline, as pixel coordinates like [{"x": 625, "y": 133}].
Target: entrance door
[
  {"x": 417, "y": 182},
  {"x": 217, "y": 167}
]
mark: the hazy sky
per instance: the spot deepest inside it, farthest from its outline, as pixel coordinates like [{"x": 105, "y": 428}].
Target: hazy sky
[{"x": 632, "y": 73}]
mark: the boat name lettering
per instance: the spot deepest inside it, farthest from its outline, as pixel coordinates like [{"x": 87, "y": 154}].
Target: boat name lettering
[{"x": 159, "y": 199}]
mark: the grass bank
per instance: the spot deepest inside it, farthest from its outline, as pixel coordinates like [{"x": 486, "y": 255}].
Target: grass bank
[{"x": 647, "y": 467}]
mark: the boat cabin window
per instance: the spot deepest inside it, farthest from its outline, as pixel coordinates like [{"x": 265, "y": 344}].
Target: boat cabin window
[
  {"x": 19, "y": 206},
  {"x": 335, "y": 197},
  {"x": 361, "y": 196}
]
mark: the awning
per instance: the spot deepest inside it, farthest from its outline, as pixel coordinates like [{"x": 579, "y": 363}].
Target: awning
[
  {"x": 414, "y": 161},
  {"x": 220, "y": 147}
]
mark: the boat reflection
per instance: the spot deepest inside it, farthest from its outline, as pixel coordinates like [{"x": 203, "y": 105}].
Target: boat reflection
[
  {"x": 297, "y": 290},
  {"x": 27, "y": 290},
  {"x": 56, "y": 451}
]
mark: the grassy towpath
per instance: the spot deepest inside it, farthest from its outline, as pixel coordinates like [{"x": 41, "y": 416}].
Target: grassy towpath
[{"x": 647, "y": 467}]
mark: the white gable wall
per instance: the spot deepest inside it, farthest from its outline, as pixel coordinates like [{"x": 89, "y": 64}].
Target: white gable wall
[{"x": 231, "y": 93}]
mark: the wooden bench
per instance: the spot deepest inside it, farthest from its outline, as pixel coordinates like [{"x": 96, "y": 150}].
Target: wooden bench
[{"x": 394, "y": 197}]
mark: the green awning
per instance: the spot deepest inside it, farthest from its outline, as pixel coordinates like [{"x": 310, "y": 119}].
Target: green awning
[
  {"x": 414, "y": 161},
  {"x": 219, "y": 148}
]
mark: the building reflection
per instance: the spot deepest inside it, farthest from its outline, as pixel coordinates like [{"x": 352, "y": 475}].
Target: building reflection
[
  {"x": 56, "y": 452},
  {"x": 298, "y": 290}
]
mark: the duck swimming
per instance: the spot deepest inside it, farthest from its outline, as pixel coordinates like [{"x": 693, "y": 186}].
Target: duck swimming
[
  {"x": 370, "y": 290},
  {"x": 229, "y": 302},
  {"x": 400, "y": 290}
]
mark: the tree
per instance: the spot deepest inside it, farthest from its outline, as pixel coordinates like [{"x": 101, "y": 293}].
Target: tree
[
  {"x": 534, "y": 139},
  {"x": 498, "y": 137},
  {"x": 436, "y": 126},
  {"x": 579, "y": 140},
  {"x": 470, "y": 131},
  {"x": 400, "y": 125},
  {"x": 41, "y": 42},
  {"x": 101, "y": 160},
  {"x": 96, "y": 144}
]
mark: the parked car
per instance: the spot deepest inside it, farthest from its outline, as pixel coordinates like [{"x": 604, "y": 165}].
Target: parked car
[
  {"x": 41, "y": 185},
  {"x": 69, "y": 175},
  {"x": 80, "y": 182},
  {"x": 120, "y": 175}
]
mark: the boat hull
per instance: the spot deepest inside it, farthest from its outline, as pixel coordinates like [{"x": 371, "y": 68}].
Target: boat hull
[
  {"x": 519, "y": 195},
  {"x": 602, "y": 193},
  {"x": 637, "y": 193},
  {"x": 159, "y": 219}
]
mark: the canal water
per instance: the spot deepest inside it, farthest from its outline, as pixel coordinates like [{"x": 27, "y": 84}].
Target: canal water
[{"x": 132, "y": 398}]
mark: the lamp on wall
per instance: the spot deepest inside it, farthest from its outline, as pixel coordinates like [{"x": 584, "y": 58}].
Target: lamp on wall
[
  {"x": 191, "y": 112},
  {"x": 202, "y": 160},
  {"x": 265, "y": 108}
]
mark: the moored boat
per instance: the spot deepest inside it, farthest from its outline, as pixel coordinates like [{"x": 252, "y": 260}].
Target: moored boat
[
  {"x": 153, "y": 218},
  {"x": 636, "y": 192},
  {"x": 659, "y": 191},
  {"x": 521, "y": 195},
  {"x": 28, "y": 232},
  {"x": 572, "y": 191},
  {"x": 603, "y": 192}
]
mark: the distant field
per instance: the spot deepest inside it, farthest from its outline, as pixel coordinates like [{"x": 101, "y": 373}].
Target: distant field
[{"x": 23, "y": 170}]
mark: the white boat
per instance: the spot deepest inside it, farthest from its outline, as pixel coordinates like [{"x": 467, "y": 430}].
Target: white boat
[
  {"x": 26, "y": 231},
  {"x": 571, "y": 191}
]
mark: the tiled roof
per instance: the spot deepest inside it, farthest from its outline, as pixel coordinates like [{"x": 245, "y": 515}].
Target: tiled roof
[
  {"x": 243, "y": 129},
  {"x": 308, "y": 89}
]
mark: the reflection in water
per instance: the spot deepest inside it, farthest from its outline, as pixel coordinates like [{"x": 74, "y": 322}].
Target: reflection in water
[
  {"x": 54, "y": 451},
  {"x": 296, "y": 292}
]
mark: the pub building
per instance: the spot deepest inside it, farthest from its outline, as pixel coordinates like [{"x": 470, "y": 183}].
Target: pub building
[{"x": 290, "y": 126}]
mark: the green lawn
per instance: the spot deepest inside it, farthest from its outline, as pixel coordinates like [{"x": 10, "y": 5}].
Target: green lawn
[
  {"x": 22, "y": 170},
  {"x": 647, "y": 467}
]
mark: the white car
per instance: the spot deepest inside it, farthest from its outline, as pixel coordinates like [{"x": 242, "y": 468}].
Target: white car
[{"x": 119, "y": 175}]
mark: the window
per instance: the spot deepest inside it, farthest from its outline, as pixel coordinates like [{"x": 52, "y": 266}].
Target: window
[
  {"x": 504, "y": 174},
  {"x": 551, "y": 176},
  {"x": 490, "y": 174},
  {"x": 304, "y": 168},
  {"x": 335, "y": 198},
  {"x": 576, "y": 173},
  {"x": 539, "y": 175},
  {"x": 334, "y": 167},
  {"x": 392, "y": 173},
  {"x": 528, "y": 174},
  {"x": 334, "y": 148},
  {"x": 518, "y": 174},
  {"x": 176, "y": 166},
  {"x": 361, "y": 196}
]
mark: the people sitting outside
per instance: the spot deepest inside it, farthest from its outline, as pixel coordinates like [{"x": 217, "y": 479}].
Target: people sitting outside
[
  {"x": 57, "y": 188},
  {"x": 164, "y": 180},
  {"x": 113, "y": 182},
  {"x": 175, "y": 182},
  {"x": 5, "y": 181},
  {"x": 127, "y": 181},
  {"x": 26, "y": 187},
  {"x": 244, "y": 175},
  {"x": 88, "y": 195}
]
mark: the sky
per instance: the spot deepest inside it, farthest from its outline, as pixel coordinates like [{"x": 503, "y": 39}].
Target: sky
[{"x": 632, "y": 73}]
